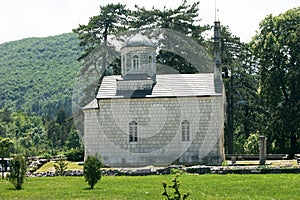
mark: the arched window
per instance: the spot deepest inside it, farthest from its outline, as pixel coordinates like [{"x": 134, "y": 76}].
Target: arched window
[
  {"x": 133, "y": 131},
  {"x": 185, "y": 130},
  {"x": 135, "y": 62},
  {"x": 150, "y": 62},
  {"x": 123, "y": 64}
]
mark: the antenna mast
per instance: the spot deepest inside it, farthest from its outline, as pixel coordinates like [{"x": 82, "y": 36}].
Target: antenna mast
[{"x": 216, "y": 11}]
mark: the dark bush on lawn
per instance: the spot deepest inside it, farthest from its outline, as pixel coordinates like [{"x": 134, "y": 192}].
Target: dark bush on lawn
[{"x": 75, "y": 155}]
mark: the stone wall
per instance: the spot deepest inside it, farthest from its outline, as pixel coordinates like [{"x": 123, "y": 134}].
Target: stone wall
[
  {"x": 159, "y": 131},
  {"x": 143, "y": 54}
]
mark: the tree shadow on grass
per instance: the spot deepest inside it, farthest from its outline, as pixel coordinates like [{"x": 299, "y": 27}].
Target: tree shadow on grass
[
  {"x": 14, "y": 189},
  {"x": 95, "y": 188}
]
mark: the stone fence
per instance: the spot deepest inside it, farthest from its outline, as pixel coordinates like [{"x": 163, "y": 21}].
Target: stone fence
[
  {"x": 256, "y": 156},
  {"x": 199, "y": 169}
]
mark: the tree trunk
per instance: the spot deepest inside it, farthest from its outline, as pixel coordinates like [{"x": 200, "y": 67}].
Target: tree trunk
[
  {"x": 230, "y": 127},
  {"x": 2, "y": 168},
  {"x": 293, "y": 145}
]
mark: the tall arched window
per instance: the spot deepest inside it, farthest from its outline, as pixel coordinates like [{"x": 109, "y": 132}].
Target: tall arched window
[
  {"x": 135, "y": 62},
  {"x": 123, "y": 64},
  {"x": 150, "y": 62},
  {"x": 133, "y": 131},
  {"x": 185, "y": 130}
]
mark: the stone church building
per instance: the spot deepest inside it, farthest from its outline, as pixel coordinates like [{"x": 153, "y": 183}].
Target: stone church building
[{"x": 141, "y": 118}]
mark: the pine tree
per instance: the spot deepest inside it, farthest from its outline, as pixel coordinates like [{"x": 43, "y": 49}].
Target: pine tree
[
  {"x": 92, "y": 170},
  {"x": 18, "y": 170}
]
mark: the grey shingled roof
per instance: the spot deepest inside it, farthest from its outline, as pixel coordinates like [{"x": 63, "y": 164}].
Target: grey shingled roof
[
  {"x": 168, "y": 85},
  {"x": 139, "y": 40}
]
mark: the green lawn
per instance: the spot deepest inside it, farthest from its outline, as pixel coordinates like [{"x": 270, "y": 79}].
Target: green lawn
[
  {"x": 269, "y": 186},
  {"x": 49, "y": 166}
]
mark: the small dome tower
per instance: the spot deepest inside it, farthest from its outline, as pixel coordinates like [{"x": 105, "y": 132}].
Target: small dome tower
[
  {"x": 138, "y": 58},
  {"x": 138, "y": 65}
]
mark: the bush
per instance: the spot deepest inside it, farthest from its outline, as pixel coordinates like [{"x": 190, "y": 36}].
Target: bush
[
  {"x": 251, "y": 145},
  {"x": 225, "y": 163},
  {"x": 175, "y": 187},
  {"x": 60, "y": 166},
  {"x": 17, "y": 171},
  {"x": 176, "y": 171},
  {"x": 92, "y": 170},
  {"x": 46, "y": 156},
  {"x": 75, "y": 155}
]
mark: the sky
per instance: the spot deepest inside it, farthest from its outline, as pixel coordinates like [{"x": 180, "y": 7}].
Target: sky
[{"x": 41, "y": 18}]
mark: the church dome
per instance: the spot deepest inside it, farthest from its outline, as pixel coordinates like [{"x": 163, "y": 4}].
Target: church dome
[{"x": 139, "y": 40}]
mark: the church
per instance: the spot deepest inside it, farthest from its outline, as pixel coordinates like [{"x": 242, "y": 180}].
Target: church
[{"x": 142, "y": 118}]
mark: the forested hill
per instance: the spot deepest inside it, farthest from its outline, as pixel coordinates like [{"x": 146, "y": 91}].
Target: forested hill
[{"x": 36, "y": 74}]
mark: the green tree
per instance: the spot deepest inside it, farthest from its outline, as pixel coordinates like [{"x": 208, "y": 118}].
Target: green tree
[
  {"x": 5, "y": 147},
  {"x": 74, "y": 140},
  {"x": 17, "y": 171},
  {"x": 36, "y": 136},
  {"x": 241, "y": 87},
  {"x": 53, "y": 134},
  {"x": 184, "y": 19},
  {"x": 112, "y": 19},
  {"x": 276, "y": 46},
  {"x": 92, "y": 170},
  {"x": 5, "y": 115},
  {"x": 61, "y": 117},
  {"x": 3, "y": 129},
  {"x": 60, "y": 166}
]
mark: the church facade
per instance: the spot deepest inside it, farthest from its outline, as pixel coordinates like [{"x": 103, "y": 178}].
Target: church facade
[{"x": 141, "y": 118}]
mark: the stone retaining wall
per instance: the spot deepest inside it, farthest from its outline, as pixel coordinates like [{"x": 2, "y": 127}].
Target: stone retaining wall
[{"x": 199, "y": 169}]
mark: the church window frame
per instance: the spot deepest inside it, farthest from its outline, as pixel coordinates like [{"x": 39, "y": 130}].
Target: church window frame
[
  {"x": 185, "y": 131},
  {"x": 124, "y": 64},
  {"x": 150, "y": 62},
  {"x": 135, "y": 62},
  {"x": 133, "y": 132}
]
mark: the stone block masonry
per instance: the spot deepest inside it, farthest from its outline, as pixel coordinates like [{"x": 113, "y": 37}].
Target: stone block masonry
[{"x": 159, "y": 131}]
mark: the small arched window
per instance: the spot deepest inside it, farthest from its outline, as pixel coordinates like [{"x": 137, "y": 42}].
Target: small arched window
[
  {"x": 185, "y": 130},
  {"x": 135, "y": 62},
  {"x": 133, "y": 131}
]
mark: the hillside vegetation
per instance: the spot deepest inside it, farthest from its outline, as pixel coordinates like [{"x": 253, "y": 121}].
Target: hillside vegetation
[{"x": 36, "y": 74}]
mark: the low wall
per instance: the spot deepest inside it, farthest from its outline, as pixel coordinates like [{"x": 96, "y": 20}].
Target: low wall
[{"x": 256, "y": 156}]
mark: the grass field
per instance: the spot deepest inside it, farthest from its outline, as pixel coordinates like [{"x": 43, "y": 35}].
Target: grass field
[{"x": 269, "y": 186}]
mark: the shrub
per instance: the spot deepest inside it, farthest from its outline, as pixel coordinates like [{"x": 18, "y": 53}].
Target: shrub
[
  {"x": 75, "y": 155},
  {"x": 60, "y": 166},
  {"x": 251, "y": 146},
  {"x": 225, "y": 163},
  {"x": 92, "y": 170},
  {"x": 17, "y": 171},
  {"x": 176, "y": 171},
  {"x": 175, "y": 187}
]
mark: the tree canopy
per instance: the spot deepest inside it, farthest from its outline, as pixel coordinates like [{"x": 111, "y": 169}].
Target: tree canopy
[
  {"x": 277, "y": 48},
  {"x": 241, "y": 86}
]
